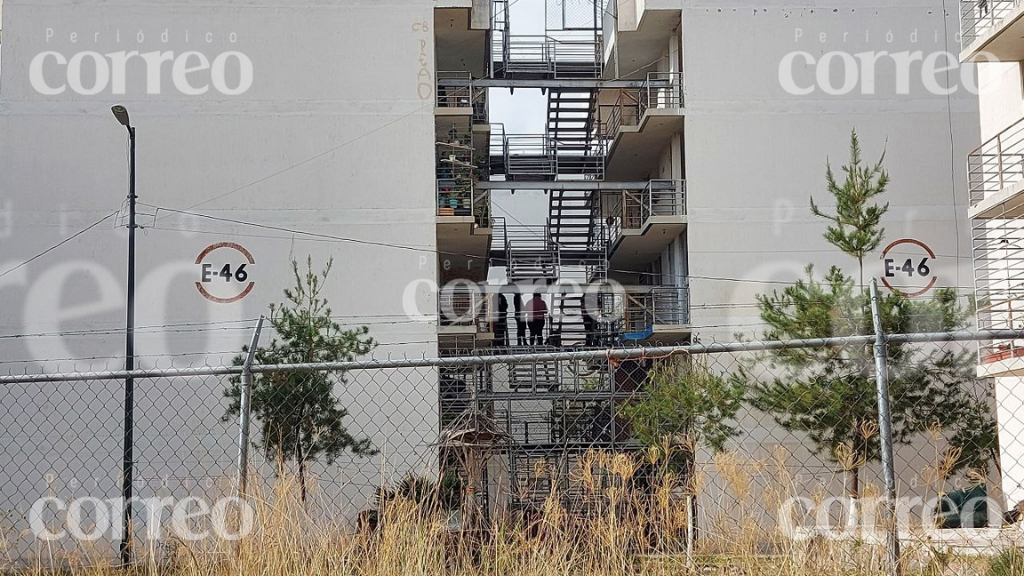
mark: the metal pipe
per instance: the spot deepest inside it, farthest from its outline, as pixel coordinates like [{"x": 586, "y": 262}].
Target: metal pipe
[
  {"x": 885, "y": 434},
  {"x": 245, "y": 410},
  {"x": 474, "y": 360}
]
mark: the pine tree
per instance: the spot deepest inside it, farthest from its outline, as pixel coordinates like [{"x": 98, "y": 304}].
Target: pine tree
[
  {"x": 829, "y": 393},
  {"x": 856, "y": 225},
  {"x": 299, "y": 416},
  {"x": 687, "y": 406}
]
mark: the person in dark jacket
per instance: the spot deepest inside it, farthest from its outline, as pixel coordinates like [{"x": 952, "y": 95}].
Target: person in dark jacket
[
  {"x": 501, "y": 323},
  {"x": 589, "y": 325},
  {"x": 517, "y": 302}
]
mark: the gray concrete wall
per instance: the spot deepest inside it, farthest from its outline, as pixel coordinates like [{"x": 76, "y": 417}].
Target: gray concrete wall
[{"x": 334, "y": 137}]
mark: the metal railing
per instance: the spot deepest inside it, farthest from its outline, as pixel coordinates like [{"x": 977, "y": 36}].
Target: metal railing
[
  {"x": 977, "y": 17},
  {"x": 463, "y": 305},
  {"x": 543, "y": 155},
  {"x": 454, "y": 197},
  {"x": 645, "y": 307},
  {"x": 624, "y": 112},
  {"x": 661, "y": 90},
  {"x": 499, "y": 237},
  {"x": 451, "y": 95},
  {"x": 496, "y": 140},
  {"x": 482, "y": 209},
  {"x": 457, "y": 197},
  {"x": 546, "y": 55},
  {"x": 666, "y": 197},
  {"x": 531, "y": 253},
  {"x": 573, "y": 422},
  {"x": 631, "y": 210},
  {"x": 997, "y": 163},
  {"x": 529, "y": 155},
  {"x": 999, "y": 283}
]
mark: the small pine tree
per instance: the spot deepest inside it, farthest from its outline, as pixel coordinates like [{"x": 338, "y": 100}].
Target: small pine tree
[
  {"x": 299, "y": 417},
  {"x": 829, "y": 393},
  {"x": 686, "y": 406},
  {"x": 856, "y": 226}
]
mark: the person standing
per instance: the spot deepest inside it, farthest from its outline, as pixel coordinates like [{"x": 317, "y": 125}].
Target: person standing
[
  {"x": 536, "y": 313},
  {"x": 589, "y": 324},
  {"x": 501, "y": 323},
  {"x": 517, "y": 302}
]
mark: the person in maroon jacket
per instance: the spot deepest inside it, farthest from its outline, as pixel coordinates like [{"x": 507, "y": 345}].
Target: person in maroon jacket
[{"x": 536, "y": 313}]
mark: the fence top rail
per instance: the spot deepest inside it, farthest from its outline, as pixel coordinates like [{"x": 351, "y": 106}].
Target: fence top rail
[{"x": 583, "y": 355}]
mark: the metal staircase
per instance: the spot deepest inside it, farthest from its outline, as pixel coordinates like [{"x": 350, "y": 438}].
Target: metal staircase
[
  {"x": 500, "y": 34},
  {"x": 536, "y": 376},
  {"x": 532, "y": 256},
  {"x": 573, "y": 217},
  {"x": 570, "y": 114}
]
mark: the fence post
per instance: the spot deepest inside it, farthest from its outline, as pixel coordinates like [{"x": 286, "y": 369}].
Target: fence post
[
  {"x": 244, "y": 410},
  {"x": 885, "y": 432}
]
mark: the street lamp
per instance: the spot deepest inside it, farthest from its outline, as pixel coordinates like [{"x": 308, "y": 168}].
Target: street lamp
[{"x": 121, "y": 113}]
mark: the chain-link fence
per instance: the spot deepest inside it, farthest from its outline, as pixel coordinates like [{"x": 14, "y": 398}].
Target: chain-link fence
[{"x": 798, "y": 449}]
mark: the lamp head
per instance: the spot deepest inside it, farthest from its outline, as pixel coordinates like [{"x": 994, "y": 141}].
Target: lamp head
[{"x": 121, "y": 113}]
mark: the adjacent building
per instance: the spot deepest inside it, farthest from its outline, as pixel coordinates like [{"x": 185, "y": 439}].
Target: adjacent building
[{"x": 992, "y": 38}]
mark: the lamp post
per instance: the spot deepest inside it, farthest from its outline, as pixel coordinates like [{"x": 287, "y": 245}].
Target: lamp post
[{"x": 121, "y": 113}]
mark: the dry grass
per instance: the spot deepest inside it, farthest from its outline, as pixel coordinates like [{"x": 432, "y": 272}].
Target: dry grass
[{"x": 631, "y": 526}]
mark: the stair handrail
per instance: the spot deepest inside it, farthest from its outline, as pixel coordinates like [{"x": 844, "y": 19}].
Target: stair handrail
[{"x": 661, "y": 90}]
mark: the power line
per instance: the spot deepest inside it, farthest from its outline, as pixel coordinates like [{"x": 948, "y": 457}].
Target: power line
[
  {"x": 435, "y": 251},
  {"x": 59, "y": 244}
]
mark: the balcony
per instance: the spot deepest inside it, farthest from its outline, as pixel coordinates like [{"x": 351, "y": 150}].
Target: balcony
[
  {"x": 461, "y": 29},
  {"x": 542, "y": 157},
  {"x": 463, "y": 216},
  {"x": 996, "y": 184},
  {"x": 993, "y": 28},
  {"x": 999, "y": 280},
  {"x": 640, "y": 224},
  {"x": 656, "y": 314},
  {"x": 640, "y": 30},
  {"x": 464, "y": 309},
  {"x": 456, "y": 95},
  {"x": 638, "y": 121},
  {"x": 995, "y": 173}
]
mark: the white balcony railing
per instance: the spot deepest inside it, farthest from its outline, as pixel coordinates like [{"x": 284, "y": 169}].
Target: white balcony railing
[{"x": 978, "y": 17}]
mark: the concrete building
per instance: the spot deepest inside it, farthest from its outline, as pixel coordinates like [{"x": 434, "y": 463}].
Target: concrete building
[
  {"x": 992, "y": 38},
  {"x": 682, "y": 140},
  {"x": 681, "y": 146},
  {"x": 293, "y": 140}
]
